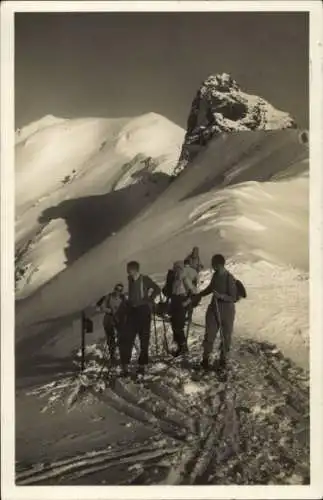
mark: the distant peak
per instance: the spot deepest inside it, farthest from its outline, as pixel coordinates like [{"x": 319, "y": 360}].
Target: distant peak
[{"x": 221, "y": 81}]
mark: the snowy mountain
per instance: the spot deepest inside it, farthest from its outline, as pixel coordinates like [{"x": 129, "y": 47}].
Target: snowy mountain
[
  {"x": 221, "y": 106},
  {"x": 92, "y": 194},
  {"x": 234, "y": 205},
  {"x": 116, "y": 166}
]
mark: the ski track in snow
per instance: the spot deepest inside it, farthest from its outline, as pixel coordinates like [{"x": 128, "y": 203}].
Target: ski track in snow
[{"x": 204, "y": 429}]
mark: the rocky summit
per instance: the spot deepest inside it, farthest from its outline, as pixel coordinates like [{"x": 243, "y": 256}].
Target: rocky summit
[{"x": 221, "y": 106}]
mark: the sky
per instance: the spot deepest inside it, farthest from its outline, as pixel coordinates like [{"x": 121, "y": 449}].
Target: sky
[{"x": 126, "y": 64}]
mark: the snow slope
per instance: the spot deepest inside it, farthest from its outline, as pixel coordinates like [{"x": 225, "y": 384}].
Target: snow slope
[
  {"x": 61, "y": 161},
  {"x": 245, "y": 195},
  {"x": 247, "y": 221}
]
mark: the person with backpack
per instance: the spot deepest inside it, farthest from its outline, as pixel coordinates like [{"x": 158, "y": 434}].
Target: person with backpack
[
  {"x": 115, "y": 307},
  {"x": 220, "y": 313},
  {"x": 194, "y": 260},
  {"x": 182, "y": 288},
  {"x": 191, "y": 271},
  {"x": 142, "y": 292}
]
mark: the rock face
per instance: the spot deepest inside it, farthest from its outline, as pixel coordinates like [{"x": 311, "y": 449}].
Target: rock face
[{"x": 221, "y": 106}]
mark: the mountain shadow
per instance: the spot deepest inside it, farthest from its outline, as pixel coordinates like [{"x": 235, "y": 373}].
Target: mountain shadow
[{"x": 92, "y": 219}]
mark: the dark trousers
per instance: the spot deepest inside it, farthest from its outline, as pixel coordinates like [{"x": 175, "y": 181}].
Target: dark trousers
[
  {"x": 138, "y": 323},
  {"x": 219, "y": 318},
  {"x": 111, "y": 333},
  {"x": 177, "y": 319}
]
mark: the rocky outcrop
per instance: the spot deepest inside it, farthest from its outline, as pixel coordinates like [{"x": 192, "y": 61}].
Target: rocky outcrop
[{"x": 221, "y": 106}]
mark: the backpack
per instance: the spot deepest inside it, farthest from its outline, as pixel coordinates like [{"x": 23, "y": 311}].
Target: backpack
[
  {"x": 241, "y": 290},
  {"x": 167, "y": 290},
  {"x": 179, "y": 287}
]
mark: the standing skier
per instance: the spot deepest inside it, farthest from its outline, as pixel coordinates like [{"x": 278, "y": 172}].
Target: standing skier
[
  {"x": 220, "y": 313},
  {"x": 114, "y": 307},
  {"x": 142, "y": 292},
  {"x": 181, "y": 290}
]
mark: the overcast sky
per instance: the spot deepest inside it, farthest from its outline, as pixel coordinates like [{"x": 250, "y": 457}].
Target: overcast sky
[{"x": 126, "y": 64}]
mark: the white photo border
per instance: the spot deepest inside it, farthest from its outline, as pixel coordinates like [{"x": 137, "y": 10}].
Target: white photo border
[{"x": 9, "y": 490}]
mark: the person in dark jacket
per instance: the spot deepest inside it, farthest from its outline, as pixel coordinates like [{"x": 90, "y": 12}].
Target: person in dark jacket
[
  {"x": 115, "y": 308},
  {"x": 194, "y": 259},
  {"x": 167, "y": 288},
  {"x": 220, "y": 313},
  {"x": 142, "y": 292}
]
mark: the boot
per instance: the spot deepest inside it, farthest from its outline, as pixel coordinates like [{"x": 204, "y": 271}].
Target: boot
[
  {"x": 125, "y": 371},
  {"x": 182, "y": 349},
  {"x": 205, "y": 364},
  {"x": 176, "y": 352},
  {"x": 113, "y": 360},
  {"x": 222, "y": 370},
  {"x": 222, "y": 363},
  {"x": 141, "y": 370}
]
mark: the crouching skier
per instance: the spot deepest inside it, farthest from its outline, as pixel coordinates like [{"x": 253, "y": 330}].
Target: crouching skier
[
  {"x": 182, "y": 289},
  {"x": 114, "y": 306},
  {"x": 142, "y": 292},
  {"x": 220, "y": 313}
]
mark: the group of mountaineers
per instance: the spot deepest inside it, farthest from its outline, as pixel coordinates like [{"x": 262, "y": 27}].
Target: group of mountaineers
[{"x": 130, "y": 314}]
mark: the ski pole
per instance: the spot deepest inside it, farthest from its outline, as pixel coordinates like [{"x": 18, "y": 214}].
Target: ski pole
[
  {"x": 82, "y": 341},
  {"x": 104, "y": 358},
  {"x": 155, "y": 330},
  {"x": 189, "y": 320},
  {"x": 165, "y": 336},
  {"x": 164, "y": 328},
  {"x": 220, "y": 324}
]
